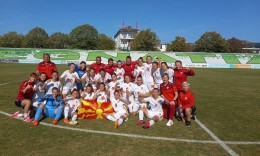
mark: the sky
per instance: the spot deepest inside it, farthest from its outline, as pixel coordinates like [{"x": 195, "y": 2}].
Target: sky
[{"x": 168, "y": 18}]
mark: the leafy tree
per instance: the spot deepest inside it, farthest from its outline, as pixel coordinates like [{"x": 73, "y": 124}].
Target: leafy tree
[
  {"x": 105, "y": 43},
  {"x": 236, "y": 46},
  {"x": 211, "y": 42},
  {"x": 59, "y": 40},
  {"x": 179, "y": 44},
  {"x": 12, "y": 40},
  {"x": 37, "y": 38},
  {"x": 146, "y": 40},
  {"x": 84, "y": 37}
]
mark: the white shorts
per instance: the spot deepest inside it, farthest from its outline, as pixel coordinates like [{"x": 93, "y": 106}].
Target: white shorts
[
  {"x": 36, "y": 103},
  {"x": 135, "y": 107},
  {"x": 118, "y": 114},
  {"x": 66, "y": 90},
  {"x": 152, "y": 114},
  {"x": 150, "y": 85}
]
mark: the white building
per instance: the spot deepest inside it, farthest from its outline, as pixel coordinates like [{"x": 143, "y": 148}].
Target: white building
[
  {"x": 124, "y": 37},
  {"x": 163, "y": 47}
]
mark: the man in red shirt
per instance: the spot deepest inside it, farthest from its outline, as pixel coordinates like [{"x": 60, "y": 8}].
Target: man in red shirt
[
  {"x": 129, "y": 67},
  {"x": 110, "y": 67},
  {"x": 169, "y": 92},
  {"x": 46, "y": 66},
  {"x": 186, "y": 103},
  {"x": 98, "y": 65},
  {"x": 181, "y": 74},
  {"x": 24, "y": 97}
]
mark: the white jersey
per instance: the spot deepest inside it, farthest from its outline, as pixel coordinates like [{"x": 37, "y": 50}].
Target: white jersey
[
  {"x": 104, "y": 79},
  {"x": 73, "y": 103},
  {"x": 69, "y": 80},
  {"x": 170, "y": 72},
  {"x": 157, "y": 78},
  {"x": 120, "y": 74},
  {"x": 50, "y": 85},
  {"x": 142, "y": 89},
  {"x": 156, "y": 104},
  {"x": 39, "y": 92},
  {"x": 148, "y": 73},
  {"x": 139, "y": 71},
  {"x": 87, "y": 96},
  {"x": 89, "y": 80},
  {"x": 112, "y": 87},
  {"x": 127, "y": 87},
  {"x": 117, "y": 104},
  {"x": 102, "y": 97}
]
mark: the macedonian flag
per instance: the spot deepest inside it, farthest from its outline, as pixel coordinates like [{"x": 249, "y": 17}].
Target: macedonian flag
[{"x": 94, "y": 110}]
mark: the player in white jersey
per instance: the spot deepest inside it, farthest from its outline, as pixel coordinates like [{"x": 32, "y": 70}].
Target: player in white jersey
[
  {"x": 102, "y": 76},
  {"x": 72, "y": 104},
  {"x": 89, "y": 77},
  {"x": 147, "y": 76},
  {"x": 51, "y": 83},
  {"x": 113, "y": 85},
  {"x": 127, "y": 88},
  {"x": 156, "y": 111},
  {"x": 120, "y": 114},
  {"x": 168, "y": 71},
  {"x": 157, "y": 75},
  {"x": 140, "y": 90},
  {"x": 101, "y": 94},
  {"x": 88, "y": 93},
  {"x": 37, "y": 88},
  {"x": 69, "y": 77},
  {"x": 120, "y": 72},
  {"x": 139, "y": 68}
]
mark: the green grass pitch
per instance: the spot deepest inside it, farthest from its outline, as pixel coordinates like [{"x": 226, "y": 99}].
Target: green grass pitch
[{"x": 227, "y": 100}]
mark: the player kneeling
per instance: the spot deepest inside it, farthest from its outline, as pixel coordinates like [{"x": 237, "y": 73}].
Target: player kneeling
[
  {"x": 51, "y": 106},
  {"x": 72, "y": 104},
  {"x": 120, "y": 113},
  {"x": 156, "y": 112}
]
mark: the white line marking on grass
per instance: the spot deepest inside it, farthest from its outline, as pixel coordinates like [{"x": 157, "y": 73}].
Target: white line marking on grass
[
  {"x": 220, "y": 142},
  {"x": 140, "y": 136},
  {"x": 2, "y": 84}
]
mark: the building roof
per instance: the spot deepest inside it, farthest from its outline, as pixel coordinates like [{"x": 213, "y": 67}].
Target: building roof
[{"x": 126, "y": 29}]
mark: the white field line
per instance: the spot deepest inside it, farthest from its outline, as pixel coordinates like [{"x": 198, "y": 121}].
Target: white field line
[
  {"x": 141, "y": 136},
  {"x": 220, "y": 142},
  {"x": 2, "y": 84}
]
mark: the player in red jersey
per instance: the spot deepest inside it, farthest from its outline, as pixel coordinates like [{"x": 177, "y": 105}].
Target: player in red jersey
[
  {"x": 186, "y": 103},
  {"x": 129, "y": 67},
  {"x": 46, "y": 66},
  {"x": 24, "y": 97},
  {"x": 98, "y": 65},
  {"x": 110, "y": 67},
  {"x": 181, "y": 74},
  {"x": 169, "y": 92}
]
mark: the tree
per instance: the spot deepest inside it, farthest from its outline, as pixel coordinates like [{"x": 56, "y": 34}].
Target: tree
[
  {"x": 211, "y": 42},
  {"x": 84, "y": 37},
  {"x": 58, "y": 40},
  {"x": 37, "y": 38},
  {"x": 105, "y": 43},
  {"x": 11, "y": 40},
  {"x": 236, "y": 46},
  {"x": 179, "y": 44},
  {"x": 146, "y": 40}
]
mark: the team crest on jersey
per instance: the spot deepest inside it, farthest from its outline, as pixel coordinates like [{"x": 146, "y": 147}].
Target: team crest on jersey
[
  {"x": 141, "y": 88},
  {"x": 186, "y": 98},
  {"x": 102, "y": 97},
  {"x": 167, "y": 87}
]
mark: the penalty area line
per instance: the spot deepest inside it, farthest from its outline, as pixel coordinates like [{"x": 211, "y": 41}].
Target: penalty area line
[{"x": 140, "y": 136}]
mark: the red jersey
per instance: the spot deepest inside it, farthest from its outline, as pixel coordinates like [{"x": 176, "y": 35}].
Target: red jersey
[
  {"x": 97, "y": 67},
  {"x": 29, "y": 92},
  {"x": 186, "y": 99},
  {"x": 180, "y": 76},
  {"x": 47, "y": 68},
  {"x": 129, "y": 69},
  {"x": 168, "y": 90},
  {"x": 110, "y": 69}
]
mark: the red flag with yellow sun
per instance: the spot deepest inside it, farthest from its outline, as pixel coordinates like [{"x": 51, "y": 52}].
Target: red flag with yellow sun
[{"x": 94, "y": 110}]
